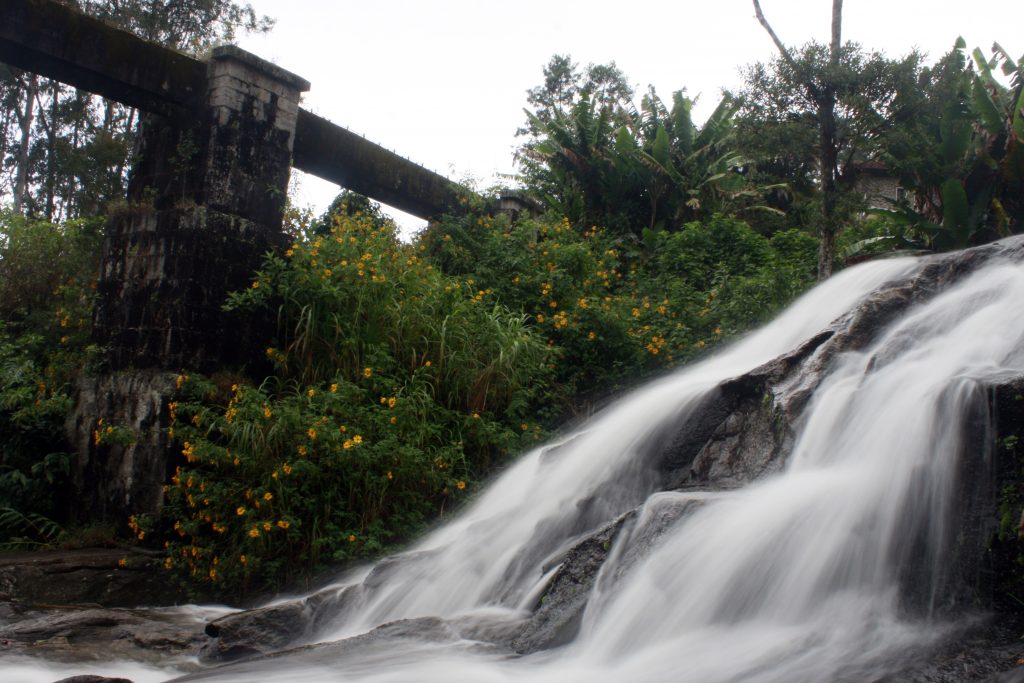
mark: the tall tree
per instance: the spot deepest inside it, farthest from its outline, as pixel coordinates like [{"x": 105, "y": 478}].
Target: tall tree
[
  {"x": 596, "y": 158},
  {"x": 818, "y": 113},
  {"x": 823, "y": 94}
]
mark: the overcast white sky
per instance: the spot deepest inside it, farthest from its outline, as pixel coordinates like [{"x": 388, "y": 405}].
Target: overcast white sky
[{"x": 443, "y": 82}]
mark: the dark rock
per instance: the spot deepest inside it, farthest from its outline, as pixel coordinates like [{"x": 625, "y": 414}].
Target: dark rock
[
  {"x": 102, "y": 576},
  {"x": 270, "y": 629},
  {"x": 88, "y": 633},
  {"x": 558, "y": 615}
]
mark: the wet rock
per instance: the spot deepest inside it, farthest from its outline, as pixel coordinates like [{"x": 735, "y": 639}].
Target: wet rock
[
  {"x": 91, "y": 633},
  {"x": 559, "y": 613},
  {"x": 103, "y": 576},
  {"x": 270, "y": 629}
]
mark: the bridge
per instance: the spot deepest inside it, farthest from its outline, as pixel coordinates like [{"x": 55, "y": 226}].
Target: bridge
[
  {"x": 206, "y": 196},
  {"x": 48, "y": 38}
]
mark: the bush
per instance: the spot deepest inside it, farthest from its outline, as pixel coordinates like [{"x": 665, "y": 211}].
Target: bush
[
  {"x": 47, "y": 276},
  {"x": 614, "y": 310},
  {"x": 395, "y": 389}
]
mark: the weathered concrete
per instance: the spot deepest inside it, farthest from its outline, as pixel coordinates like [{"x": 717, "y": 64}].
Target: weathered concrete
[
  {"x": 341, "y": 156},
  {"x": 205, "y": 204},
  {"x": 51, "y": 39}
]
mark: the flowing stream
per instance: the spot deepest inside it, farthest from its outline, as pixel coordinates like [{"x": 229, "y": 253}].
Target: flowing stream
[{"x": 799, "y": 576}]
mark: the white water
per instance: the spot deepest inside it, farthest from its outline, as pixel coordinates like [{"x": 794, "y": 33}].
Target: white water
[{"x": 793, "y": 578}]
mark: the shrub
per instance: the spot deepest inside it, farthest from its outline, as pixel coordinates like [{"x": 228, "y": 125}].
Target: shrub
[
  {"x": 46, "y": 283},
  {"x": 614, "y": 310},
  {"x": 395, "y": 388}
]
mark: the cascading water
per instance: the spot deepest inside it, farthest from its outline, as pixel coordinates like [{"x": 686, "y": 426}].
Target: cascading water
[{"x": 825, "y": 570}]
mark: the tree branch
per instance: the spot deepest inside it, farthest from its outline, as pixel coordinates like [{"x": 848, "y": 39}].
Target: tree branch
[
  {"x": 786, "y": 55},
  {"x": 775, "y": 39}
]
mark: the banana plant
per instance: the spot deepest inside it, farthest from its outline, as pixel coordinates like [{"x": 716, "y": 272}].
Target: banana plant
[{"x": 978, "y": 190}]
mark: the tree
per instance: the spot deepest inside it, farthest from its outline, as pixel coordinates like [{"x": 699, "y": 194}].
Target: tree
[
  {"x": 819, "y": 112},
  {"x": 595, "y": 158},
  {"x": 962, "y": 159}
]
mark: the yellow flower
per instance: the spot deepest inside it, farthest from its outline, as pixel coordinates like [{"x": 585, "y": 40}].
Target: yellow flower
[
  {"x": 168, "y": 563},
  {"x": 553, "y": 304},
  {"x": 267, "y": 526},
  {"x": 367, "y": 372},
  {"x": 394, "y": 420},
  {"x": 266, "y": 412},
  {"x": 460, "y": 485},
  {"x": 123, "y": 562},
  {"x": 311, "y": 393},
  {"x": 302, "y": 450},
  {"x": 392, "y": 401},
  {"x": 311, "y": 433},
  {"x": 476, "y": 416},
  {"x": 357, "y": 439},
  {"x": 347, "y": 445},
  {"x": 254, "y": 532},
  {"x": 334, "y": 388},
  {"x": 427, "y": 364},
  {"x": 390, "y": 475},
  {"x": 255, "y": 284},
  {"x": 268, "y": 496},
  {"x": 283, "y": 523},
  {"x": 524, "y": 426},
  {"x": 286, "y": 468},
  {"x": 240, "y": 510},
  {"x": 213, "y": 575},
  {"x": 351, "y": 538}
]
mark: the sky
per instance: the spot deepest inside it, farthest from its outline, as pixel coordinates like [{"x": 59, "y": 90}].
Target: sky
[{"x": 443, "y": 82}]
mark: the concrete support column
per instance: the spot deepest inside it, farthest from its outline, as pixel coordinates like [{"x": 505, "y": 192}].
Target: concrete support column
[{"x": 205, "y": 203}]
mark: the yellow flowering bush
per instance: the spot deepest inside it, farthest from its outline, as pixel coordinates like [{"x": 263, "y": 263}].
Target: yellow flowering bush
[
  {"x": 615, "y": 308},
  {"x": 393, "y": 390}
]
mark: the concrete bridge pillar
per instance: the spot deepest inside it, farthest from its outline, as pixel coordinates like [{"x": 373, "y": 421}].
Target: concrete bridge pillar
[{"x": 205, "y": 203}]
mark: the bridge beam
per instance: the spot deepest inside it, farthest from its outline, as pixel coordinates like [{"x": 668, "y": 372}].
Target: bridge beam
[{"x": 53, "y": 40}]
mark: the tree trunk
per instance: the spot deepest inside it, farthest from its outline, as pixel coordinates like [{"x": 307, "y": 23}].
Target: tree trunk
[
  {"x": 51, "y": 153},
  {"x": 25, "y": 122},
  {"x": 829, "y": 151}
]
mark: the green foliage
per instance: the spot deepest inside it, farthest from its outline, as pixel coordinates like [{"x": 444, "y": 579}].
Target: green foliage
[
  {"x": 46, "y": 276},
  {"x": 779, "y": 126},
  {"x": 596, "y": 159},
  {"x": 615, "y": 310},
  {"x": 963, "y": 159},
  {"x": 395, "y": 388}
]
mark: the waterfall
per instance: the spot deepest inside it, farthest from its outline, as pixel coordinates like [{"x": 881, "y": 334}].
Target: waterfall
[{"x": 834, "y": 566}]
